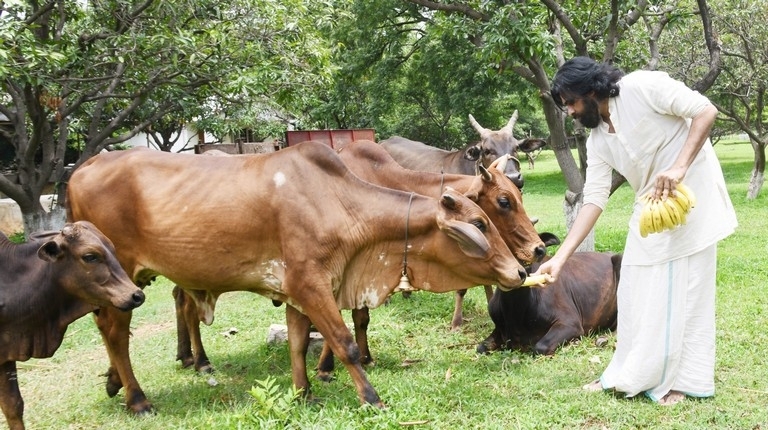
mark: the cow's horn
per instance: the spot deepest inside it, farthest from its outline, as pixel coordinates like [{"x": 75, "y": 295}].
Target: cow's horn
[
  {"x": 478, "y": 127},
  {"x": 485, "y": 173},
  {"x": 511, "y": 123},
  {"x": 501, "y": 163}
]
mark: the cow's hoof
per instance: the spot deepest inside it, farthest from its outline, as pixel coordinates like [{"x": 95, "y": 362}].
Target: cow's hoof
[
  {"x": 487, "y": 347},
  {"x": 324, "y": 376},
  {"x": 113, "y": 385},
  {"x": 205, "y": 369},
  {"x": 313, "y": 400},
  {"x": 143, "y": 409},
  {"x": 186, "y": 361}
]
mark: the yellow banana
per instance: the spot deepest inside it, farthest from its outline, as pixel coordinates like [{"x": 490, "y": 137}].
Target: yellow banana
[
  {"x": 656, "y": 216},
  {"x": 682, "y": 201},
  {"x": 688, "y": 193},
  {"x": 646, "y": 219},
  {"x": 666, "y": 219},
  {"x": 674, "y": 213},
  {"x": 535, "y": 280},
  {"x": 681, "y": 210}
]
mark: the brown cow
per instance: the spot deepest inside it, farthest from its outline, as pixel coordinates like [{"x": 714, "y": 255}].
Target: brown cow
[
  {"x": 493, "y": 144},
  {"x": 46, "y": 284},
  {"x": 320, "y": 245},
  {"x": 497, "y": 196},
  {"x": 581, "y": 301}
]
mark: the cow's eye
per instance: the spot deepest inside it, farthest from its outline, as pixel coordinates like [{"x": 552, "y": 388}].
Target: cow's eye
[
  {"x": 90, "y": 258},
  {"x": 480, "y": 225},
  {"x": 504, "y": 203}
]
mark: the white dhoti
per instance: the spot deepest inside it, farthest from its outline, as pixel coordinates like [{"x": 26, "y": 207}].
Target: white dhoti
[{"x": 666, "y": 328}]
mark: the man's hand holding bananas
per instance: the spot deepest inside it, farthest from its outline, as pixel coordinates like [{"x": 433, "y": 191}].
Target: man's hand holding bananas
[{"x": 658, "y": 215}]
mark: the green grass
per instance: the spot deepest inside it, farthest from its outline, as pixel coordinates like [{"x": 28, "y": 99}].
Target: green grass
[{"x": 447, "y": 386}]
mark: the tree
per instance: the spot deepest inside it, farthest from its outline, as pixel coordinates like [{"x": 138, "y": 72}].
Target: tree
[
  {"x": 741, "y": 95},
  {"x": 95, "y": 74},
  {"x": 531, "y": 39},
  {"x": 402, "y": 71}
]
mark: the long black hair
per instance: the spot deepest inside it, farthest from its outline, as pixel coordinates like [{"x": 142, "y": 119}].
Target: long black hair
[{"x": 580, "y": 76}]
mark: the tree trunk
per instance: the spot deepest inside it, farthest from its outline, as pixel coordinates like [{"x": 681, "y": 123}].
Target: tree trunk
[
  {"x": 571, "y": 207},
  {"x": 573, "y": 176},
  {"x": 42, "y": 220},
  {"x": 758, "y": 171}
]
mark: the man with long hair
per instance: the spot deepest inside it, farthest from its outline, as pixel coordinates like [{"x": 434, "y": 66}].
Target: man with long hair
[{"x": 654, "y": 131}]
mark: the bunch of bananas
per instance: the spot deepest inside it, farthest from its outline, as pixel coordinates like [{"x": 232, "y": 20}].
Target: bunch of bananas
[{"x": 658, "y": 215}]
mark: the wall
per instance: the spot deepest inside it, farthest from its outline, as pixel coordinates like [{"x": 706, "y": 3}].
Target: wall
[{"x": 10, "y": 214}]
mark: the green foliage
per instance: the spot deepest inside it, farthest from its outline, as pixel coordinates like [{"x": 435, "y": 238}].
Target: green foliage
[
  {"x": 273, "y": 406},
  {"x": 404, "y": 70},
  {"x": 17, "y": 237}
]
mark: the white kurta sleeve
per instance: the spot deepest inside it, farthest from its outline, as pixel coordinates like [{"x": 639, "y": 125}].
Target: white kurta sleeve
[{"x": 597, "y": 187}]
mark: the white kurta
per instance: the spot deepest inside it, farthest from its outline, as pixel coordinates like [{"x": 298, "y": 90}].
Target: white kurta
[{"x": 665, "y": 336}]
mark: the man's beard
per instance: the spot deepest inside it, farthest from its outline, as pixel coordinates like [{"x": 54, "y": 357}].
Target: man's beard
[{"x": 590, "y": 116}]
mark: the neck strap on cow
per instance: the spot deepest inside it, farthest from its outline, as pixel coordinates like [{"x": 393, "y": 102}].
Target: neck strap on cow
[{"x": 405, "y": 284}]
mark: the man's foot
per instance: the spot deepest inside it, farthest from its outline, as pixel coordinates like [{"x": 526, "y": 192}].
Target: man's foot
[
  {"x": 672, "y": 398},
  {"x": 593, "y": 386}
]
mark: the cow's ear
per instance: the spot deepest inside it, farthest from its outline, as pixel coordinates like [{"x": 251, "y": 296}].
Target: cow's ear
[
  {"x": 549, "y": 239},
  {"x": 50, "y": 251},
  {"x": 470, "y": 239},
  {"x": 472, "y": 153},
  {"x": 531, "y": 144},
  {"x": 448, "y": 201}
]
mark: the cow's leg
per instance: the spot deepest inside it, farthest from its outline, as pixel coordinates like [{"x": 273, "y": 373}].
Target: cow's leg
[
  {"x": 326, "y": 317},
  {"x": 114, "y": 326},
  {"x": 495, "y": 340},
  {"x": 183, "y": 342},
  {"x": 298, "y": 344},
  {"x": 325, "y": 365},
  {"x": 558, "y": 334},
  {"x": 202, "y": 364},
  {"x": 191, "y": 316},
  {"x": 10, "y": 397},
  {"x": 190, "y": 348},
  {"x": 458, "y": 306},
  {"x": 361, "y": 318},
  {"x": 491, "y": 343},
  {"x": 458, "y": 317}
]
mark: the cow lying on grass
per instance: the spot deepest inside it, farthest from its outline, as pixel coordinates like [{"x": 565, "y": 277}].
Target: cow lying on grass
[
  {"x": 46, "y": 284},
  {"x": 581, "y": 301},
  {"x": 295, "y": 226}
]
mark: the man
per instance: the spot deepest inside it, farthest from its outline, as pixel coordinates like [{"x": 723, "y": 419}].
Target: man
[{"x": 654, "y": 131}]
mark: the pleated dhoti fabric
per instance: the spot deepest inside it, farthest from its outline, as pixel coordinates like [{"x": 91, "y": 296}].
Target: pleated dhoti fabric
[{"x": 665, "y": 337}]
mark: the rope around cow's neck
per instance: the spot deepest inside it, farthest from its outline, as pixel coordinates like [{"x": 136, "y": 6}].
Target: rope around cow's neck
[
  {"x": 405, "y": 286},
  {"x": 405, "y": 251}
]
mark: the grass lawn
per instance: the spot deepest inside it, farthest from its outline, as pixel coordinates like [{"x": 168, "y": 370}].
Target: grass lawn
[{"x": 429, "y": 377}]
